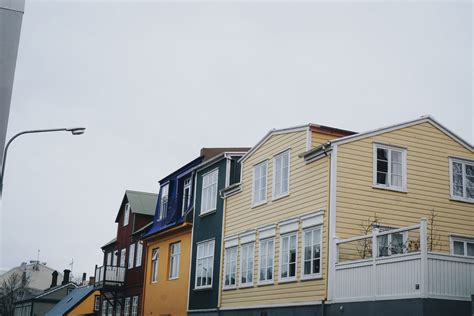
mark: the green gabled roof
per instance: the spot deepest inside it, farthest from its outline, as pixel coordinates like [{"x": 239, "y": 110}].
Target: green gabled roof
[{"x": 141, "y": 202}]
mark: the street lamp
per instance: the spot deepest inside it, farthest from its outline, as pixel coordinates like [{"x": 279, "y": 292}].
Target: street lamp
[{"x": 74, "y": 131}]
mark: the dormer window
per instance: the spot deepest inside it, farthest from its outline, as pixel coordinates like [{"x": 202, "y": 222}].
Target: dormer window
[
  {"x": 126, "y": 215},
  {"x": 164, "y": 201},
  {"x": 186, "y": 195}
]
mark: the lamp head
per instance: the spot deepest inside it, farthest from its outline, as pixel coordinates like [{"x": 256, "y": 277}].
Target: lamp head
[{"x": 76, "y": 130}]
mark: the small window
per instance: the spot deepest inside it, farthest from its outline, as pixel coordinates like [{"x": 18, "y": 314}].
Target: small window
[
  {"x": 391, "y": 244},
  {"x": 118, "y": 309},
  {"x": 209, "y": 192},
  {"x": 126, "y": 215},
  {"x": 131, "y": 256},
  {"x": 259, "y": 195},
  {"x": 186, "y": 195},
  {"x": 462, "y": 246},
  {"x": 115, "y": 258},
  {"x": 97, "y": 303},
  {"x": 138, "y": 261},
  {"x": 246, "y": 264},
  {"x": 123, "y": 255},
  {"x": 126, "y": 307},
  {"x": 164, "y": 201},
  {"x": 154, "y": 265},
  {"x": 230, "y": 267},
  {"x": 312, "y": 252},
  {"x": 462, "y": 179},
  {"x": 135, "y": 306},
  {"x": 175, "y": 252},
  {"x": 104, "y": 307},
  {"x": 205, "y": 264},
  {"x": 110, "y": 310},
  {"x": 281, "y": 174},
  {"x": 390, "y": 167},
  {"x": 288, "y": 257},
  {"x": 266, "y": 260},
  {"x": 109, "y": 259}
]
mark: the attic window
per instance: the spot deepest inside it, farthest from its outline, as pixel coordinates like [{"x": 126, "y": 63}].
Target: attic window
[
  {"x": 126, "y": 216},
  {"x": 389, "y": 167}
]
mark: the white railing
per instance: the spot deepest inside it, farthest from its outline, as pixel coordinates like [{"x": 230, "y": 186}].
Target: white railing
[
  {"x": 410, "y": 272},
  {"x": 110, "y": 275}
]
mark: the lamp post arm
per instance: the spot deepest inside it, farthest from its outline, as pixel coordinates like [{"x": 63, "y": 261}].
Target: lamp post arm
[{"x": 13, "y": 138}]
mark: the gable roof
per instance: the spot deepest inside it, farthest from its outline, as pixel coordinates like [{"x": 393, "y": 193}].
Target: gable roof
[
  {"x": 140, "y": 202},
  {"x": 307, "y": 127},
  {"x": 420, "y": 120},
  {"x": 71, "y": 300}
]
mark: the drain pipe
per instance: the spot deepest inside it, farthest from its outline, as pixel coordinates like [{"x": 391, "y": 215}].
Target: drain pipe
[{"x": 322, "y": 306}]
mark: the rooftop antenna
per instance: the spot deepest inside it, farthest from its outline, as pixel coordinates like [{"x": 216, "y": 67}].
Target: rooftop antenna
[{"x": 71, "y": 264}]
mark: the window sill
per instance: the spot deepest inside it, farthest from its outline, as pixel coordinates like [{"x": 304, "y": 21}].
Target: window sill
[
  {"x": 276, "y": 198},
  {"x": 287, "y": 280},
  {"x": 208, "y": 213},
  {"x": 264, "y": 283},
  {"x": 172, "y": 279},
  {"x": 259, "y": 204},
  {"x": 226, "y": 288},
  {"x": 244, "y": 286},
  {"x": 381, "y": 187},
  {"x": 463, "y": 200},
  {"x": 312, "y": 277},
  {"x": 203, "y": 288}
]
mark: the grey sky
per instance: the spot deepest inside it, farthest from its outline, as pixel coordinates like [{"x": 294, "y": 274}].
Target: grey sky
[{"x": 155, "y": 82}]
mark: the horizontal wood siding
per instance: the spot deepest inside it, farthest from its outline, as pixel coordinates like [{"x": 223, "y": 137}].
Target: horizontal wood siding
[
  {"x": 319, "y": 138},
  {"x": 308, "y": 193},
  {"x": 428, "y": 185}
]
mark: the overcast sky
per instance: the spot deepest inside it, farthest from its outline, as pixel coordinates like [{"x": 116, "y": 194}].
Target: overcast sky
[{"x": 154, "y": 82}]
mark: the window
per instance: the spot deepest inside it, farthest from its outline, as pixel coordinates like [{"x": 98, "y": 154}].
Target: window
[
  {"x": 462, "y": 246},
  {"x": 154, "y": 265},
  {"x": 266, "y": 260},
  {"x": 138, "y": 261},
  {"x": 164, "y": 201},
  {"x": 97, "y": 303},
  {"x": 109, "y": 259},
  {"x": 186, "y": 195},
  {"x": 175, "y": 251},
  {"x": 104, "y": 308},
  {"x": 204, "y": 264},
  {"x": 123, "y": 254},
  {"x": 135, "y": 306},
  {"x": 288, "y": 257},
  {"x": 389, "y": 167},
  {"x": 462, "y": 179},
  {"x": 118, "y": 309},
  {"x": 230, "y": 267},
  {"x": 115, "y": 258},
  {"x": 246, "y": 264},
  {"x": 111, "y": 308},
  {"x": 281, "y": 174},
  {"x": 312, "y": 252},
  {"x": 259, "y": 195},
  {"x": 126, "y": 214},
  {"x": 131, "y": 256},
  {"x": 391, "y": 244},
  {"x": 126, "y": 307},
  {"x": 209, "y": 192}
]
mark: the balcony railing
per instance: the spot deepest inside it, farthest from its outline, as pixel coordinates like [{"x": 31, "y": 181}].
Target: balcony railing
[
  {"x": 109, "y": 276},
  {"x": 399, "y": 267}
]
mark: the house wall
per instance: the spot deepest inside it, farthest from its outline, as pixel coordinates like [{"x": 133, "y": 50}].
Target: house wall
[
  {"x": 86, "y": 306},
  {"x": 167, "y": 297},
  {"x": 428, "y": 185},
  {"x": 308, "y": 187}
]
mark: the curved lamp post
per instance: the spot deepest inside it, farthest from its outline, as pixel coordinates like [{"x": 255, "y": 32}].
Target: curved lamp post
[{"x": 73, "y": 131}]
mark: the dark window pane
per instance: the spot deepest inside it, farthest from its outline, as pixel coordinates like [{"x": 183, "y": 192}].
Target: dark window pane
[
  {"x": 382, "y": 166},
  {"x": 292, "y": 269},
  {"x": 316, "y": 266},
  {"x": 307, "y": 267},
  {"x": 381, "y": 178},
  {"x": 382, "y": 154}
]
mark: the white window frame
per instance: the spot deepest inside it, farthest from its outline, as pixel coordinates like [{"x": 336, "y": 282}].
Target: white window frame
[
  {"x": 126, "y": 308},
  {"x": 389, "y": 186},
  {"x": 252, "y": 256},
  {"x": 212, "y": 203},
  {"x": 280, "y": 264},
  {"x": 97, "y": 303},
  {"x": 131, "y": 255},
  {"x": 276, "y": 196},
  {"x": 258, "y": 165},
  {"x": 174, "y": 257},
  {"x": 126, "y": 215},
  {"x": 155, "y": 257},
  {"x": 187, "y": 183},
  {"x": 139, "y": 256},
  {"x": 164, "y": 201},
  {"x": 123, "y": 256},
  {"x": 312, "y": 275},
  {"x": 134, "y": 306},
  {"x": 208, "y": 259},
  {"x": 261, "y": 241},
  {"x": 464, "y": 240},
  {"x": 463, "y": 162},
  {"x": 228, "y": 266},
  {"x": 108, "y": 260}
]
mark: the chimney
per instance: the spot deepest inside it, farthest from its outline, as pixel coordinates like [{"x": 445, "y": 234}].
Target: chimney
[
  {"x": 91, "y": 280},
  {"x": 66, "y": 277},
  {"x": 54, "y": 280},
  {"x": 84, "y": 278}
]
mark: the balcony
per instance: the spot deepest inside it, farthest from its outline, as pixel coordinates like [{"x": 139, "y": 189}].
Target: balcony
[
  {"x": 399, "y": 267},
  {"x": 109, "y": 276}
]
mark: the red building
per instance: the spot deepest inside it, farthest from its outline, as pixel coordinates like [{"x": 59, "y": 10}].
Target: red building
[{"x": 120, "y": 278}]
